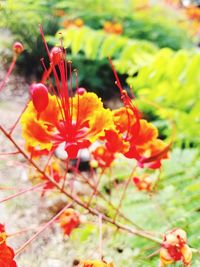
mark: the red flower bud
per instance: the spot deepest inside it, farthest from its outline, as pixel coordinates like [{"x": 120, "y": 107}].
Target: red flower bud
[
  {"x": 56, "y": 55},
  {"x": 81, "y": 91},
  {"x": 18, "y": 48},
  {"x": 40, "y": 96}
]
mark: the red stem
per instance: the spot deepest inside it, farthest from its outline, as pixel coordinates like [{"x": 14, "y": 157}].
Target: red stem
[
  {"x": 124, "y": 192},
  {"x": 22, "y": 192},
  {"x": 41, "y": 230},
  {"x": 8, "y": 73}
]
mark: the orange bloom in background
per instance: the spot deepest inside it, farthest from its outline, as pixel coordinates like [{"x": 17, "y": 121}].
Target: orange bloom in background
[
  {"x": 59, "y": 12},
  {"x": 78, "y": 22},
  {"x": 76, "y": 121},
  {"x": 6, "y": 253},
  {"x": 174, "y": 248},
  {"x": 94, "y": 263},
  {"x": 111, "y": 27},
  {"x": 69, "y": 220}
]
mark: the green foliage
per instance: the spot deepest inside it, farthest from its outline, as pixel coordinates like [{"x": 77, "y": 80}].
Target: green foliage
[
  {"x": 22, "y": 19},
  {"x": 174, "y": 204},
  {"x": 172, "y": 81},
  {"x": 157, "y": 23},
  {"x": 130, "y": 54}
]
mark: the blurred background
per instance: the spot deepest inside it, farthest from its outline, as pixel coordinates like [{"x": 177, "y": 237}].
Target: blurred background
[{"x": 154, "y": 45}]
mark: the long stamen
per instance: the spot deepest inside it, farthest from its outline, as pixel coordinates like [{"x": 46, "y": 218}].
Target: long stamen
[
  {"x": 70, "y": 89},
  {"x": 128, "y": 104},
  {"x": 116, "y": 76},
  {"x": 78, "y": 96}
]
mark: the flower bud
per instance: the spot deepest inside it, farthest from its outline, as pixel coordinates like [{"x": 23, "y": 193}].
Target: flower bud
[
  {"x": 81, "y": 91},
  {"x": 18, "y": 48},
  {"x": 40, "y": 96}
]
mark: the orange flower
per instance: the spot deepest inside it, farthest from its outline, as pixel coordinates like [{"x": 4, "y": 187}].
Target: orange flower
[
  {"x": 6, "y": 253},
  {"x": 94, "y": 263},
  {"x": 141, "y": 136},
  {"x": 69, "y": 220},
  {"x": 111, "y": 27},
  {"x": 136, "y": 138},
  {"x": 59, "y": 12},
  {"x": 78, "y": 22},
  {"x": 174, "y": 248},
  {"x": 118, "y": 29},
  {"x": 76, "y": 121}
]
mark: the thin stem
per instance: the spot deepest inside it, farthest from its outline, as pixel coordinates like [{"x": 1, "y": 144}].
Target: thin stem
[
  {"x": 41, "y": 230},
  {"x": 22, "y": 231},
  {"x": 8, "y": 73},
  {"x": 86, "y": 180},
  {"x": 65, "y": 174},
  {"x": 9, "y": 153},
  {"x": 21, "y": 192},
  {"x": 15, "y": 124},
  {"x": 96, "y": 187},
  {"x": 100, "y": 238},
  {"x": 124, "y": 192}
]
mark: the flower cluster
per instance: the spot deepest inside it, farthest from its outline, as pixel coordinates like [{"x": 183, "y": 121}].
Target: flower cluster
[
  {"x": 6, "y": 253},
  {"x": 174, "y": 248},
  {"x": 112, "y": 27},
  {"x": 78, "y": 120}
]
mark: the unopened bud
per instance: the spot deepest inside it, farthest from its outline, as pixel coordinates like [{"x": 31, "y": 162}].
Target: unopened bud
[
  {"x": 81, "y": 91},
  {"x": 40, "y": 96},
  {"x": 18, "y": 48}
]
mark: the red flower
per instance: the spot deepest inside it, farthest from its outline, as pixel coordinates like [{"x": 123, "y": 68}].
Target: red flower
[
  {"x": 69, "y": 220},
  {"x": 174, "y": 248},
  {"x": 51, "y": 120},
  {"x": 6, "y": 253},
  {"x": 144, "y": 183}
]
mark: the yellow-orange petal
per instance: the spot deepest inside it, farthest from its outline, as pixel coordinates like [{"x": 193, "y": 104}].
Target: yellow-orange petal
[
  {"x": 88, "y": 110},
  {"x": 148, "y": 132},
  {"x": 38, "y": 133},
  {"x": 165, "y": 257},
  {"x": 124, "y": 119},
  {"x": 187, "y": 254}
]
